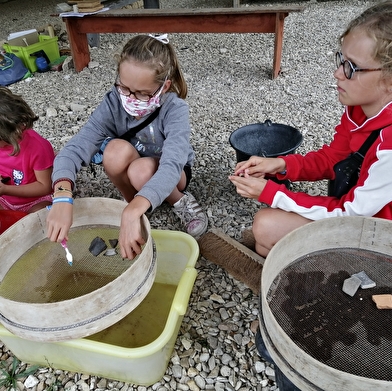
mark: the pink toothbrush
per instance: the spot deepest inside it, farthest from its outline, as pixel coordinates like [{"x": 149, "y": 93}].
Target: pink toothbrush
[{"x": 68, "y": 254}]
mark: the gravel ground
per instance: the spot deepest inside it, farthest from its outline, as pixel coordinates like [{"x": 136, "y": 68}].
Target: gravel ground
[{"x": 229, "y": 86}]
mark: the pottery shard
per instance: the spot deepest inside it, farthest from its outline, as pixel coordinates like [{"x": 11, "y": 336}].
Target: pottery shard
[
  {"x": 110, "y": 252},
  {"x": 113, "y": 242},
  {"x": 97, "y": 246},
  {"x": 351, "y": 285},
  {"x": 366, "y": 282},
  {"x": 383, "y": 302}
]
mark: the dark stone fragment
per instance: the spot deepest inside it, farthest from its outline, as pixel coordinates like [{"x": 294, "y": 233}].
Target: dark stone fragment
[
  {"x": 113, "y": 242},
  {"x": 97, "y": 246}
]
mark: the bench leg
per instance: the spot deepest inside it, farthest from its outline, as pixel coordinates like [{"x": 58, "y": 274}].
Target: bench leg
[
  {"x": 79, "y": 45},
  {"x": 278, "y": 46}
]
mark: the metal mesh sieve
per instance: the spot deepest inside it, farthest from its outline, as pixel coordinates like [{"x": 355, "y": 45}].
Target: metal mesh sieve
[
  {"x": 346, "y": 333},
  {"x": 43, "y": 298},
  {"x": 42, "y": 274}
]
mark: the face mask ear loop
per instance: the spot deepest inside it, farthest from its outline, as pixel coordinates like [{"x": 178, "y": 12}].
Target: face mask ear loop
[{"x": 163, "y": 86}]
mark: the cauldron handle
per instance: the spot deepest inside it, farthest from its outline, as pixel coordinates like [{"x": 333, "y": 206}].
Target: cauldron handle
[{"x": 268, "y": 122}]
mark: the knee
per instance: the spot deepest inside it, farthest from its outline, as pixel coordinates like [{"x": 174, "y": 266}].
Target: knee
[
  {"x": 118, "y": 155},
  {"x": 262, "y": 223},
  {"x": 141, "y": 170}
]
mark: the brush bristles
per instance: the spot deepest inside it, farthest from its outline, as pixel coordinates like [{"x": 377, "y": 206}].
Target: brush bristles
[{"x": 240, "y": 262}]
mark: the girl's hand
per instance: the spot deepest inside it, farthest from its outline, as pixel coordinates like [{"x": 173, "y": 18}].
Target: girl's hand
[
  {"x": 59, "y": 221},
  {"x": 130, "y": 239},
  {"x": 3, "y": 181},
  {"x": 248, "y": 186},
  {"x": 259, "y": 166}
]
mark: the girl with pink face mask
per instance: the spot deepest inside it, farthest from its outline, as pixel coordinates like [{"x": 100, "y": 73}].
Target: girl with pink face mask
[{"x": 142, "y": 130}]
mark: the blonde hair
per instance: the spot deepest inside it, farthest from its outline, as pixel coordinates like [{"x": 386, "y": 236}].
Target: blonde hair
[
  {"x": 376, "y": 21},
  {"x": 158, "y": 56},
  {"x": 15, "y": 116}
]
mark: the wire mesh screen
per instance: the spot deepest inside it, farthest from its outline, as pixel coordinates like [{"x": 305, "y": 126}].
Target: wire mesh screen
[
  {"x": 43, "y": 275},
  {"x": 347, "y": 333}
]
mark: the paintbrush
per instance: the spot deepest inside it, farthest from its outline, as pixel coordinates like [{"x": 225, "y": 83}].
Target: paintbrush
[{"x": 239, "y": 261}]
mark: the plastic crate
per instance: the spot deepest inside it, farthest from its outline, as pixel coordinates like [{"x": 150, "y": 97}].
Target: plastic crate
[{"x": 46, "y": 43}]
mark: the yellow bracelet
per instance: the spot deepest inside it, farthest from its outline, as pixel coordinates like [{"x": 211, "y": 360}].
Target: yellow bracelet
[{"x": 62, "y": 190}]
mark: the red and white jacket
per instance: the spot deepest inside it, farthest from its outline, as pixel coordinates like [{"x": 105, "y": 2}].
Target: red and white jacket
[{"x": 372, "y": 196}]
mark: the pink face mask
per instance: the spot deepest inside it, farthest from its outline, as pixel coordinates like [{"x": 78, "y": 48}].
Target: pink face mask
[{"x": 139, "y": 108}]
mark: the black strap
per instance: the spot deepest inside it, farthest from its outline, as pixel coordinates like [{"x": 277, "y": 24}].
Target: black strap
[
  {"x": 368, "y": 142},
  {"x": 348, "y": 166},
  {"x": 132, "y": 132}
]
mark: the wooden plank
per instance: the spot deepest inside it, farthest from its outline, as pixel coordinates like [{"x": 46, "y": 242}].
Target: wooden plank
[
  {"x": 191, "y": 23},
  {"x": 90, "y": 9},
  {"x": 123, "y": 12},
  {"x": 85, "y": 3}
]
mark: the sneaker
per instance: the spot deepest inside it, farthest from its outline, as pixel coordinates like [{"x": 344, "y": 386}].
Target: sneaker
[{"x": 191, "y": 215}]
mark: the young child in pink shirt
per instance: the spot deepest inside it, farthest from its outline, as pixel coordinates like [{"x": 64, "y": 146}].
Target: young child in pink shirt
[{"x": 26, "y": 158}]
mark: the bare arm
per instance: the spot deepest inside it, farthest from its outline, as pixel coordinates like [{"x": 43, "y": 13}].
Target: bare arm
[
  {"x": 41, "y": 187},
  {"x": 60, "y": 216}
]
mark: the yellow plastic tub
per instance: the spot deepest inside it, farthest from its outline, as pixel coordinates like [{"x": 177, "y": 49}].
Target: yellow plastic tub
[{"x": 177, "y": 253}]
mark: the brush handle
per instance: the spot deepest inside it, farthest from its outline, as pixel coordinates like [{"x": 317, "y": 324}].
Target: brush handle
[{"x": 68, "y": 255}]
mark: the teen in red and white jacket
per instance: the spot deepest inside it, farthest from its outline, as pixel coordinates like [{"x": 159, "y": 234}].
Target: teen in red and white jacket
[{"x": 364, "y": 85}]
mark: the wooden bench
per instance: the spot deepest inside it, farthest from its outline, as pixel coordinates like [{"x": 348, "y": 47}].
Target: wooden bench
[{"x": 181, "y": 20}]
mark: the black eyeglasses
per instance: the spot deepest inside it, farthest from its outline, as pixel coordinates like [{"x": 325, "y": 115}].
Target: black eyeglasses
[
  {"x": 349, "y": 68},
  {"x": 123, "y": 90}
]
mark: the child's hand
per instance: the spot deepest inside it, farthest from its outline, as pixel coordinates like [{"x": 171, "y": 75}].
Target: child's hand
[
  {"x": 130, "y": 239},
  {"x": 59, "y": 221},
  {"x": 248, "y": 186},
  {"x": 242, "y": 166},
  {"x": 257, "y": 166},
  {"x": 3, "y": 186},
  {"x": 5, "y": 179}
]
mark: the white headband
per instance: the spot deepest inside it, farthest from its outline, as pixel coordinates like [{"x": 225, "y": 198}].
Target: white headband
[{"x": 161, "y": 38}]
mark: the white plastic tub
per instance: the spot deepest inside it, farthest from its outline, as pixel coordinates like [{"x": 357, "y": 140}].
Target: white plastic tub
[{"x": 177, "y": 253}]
